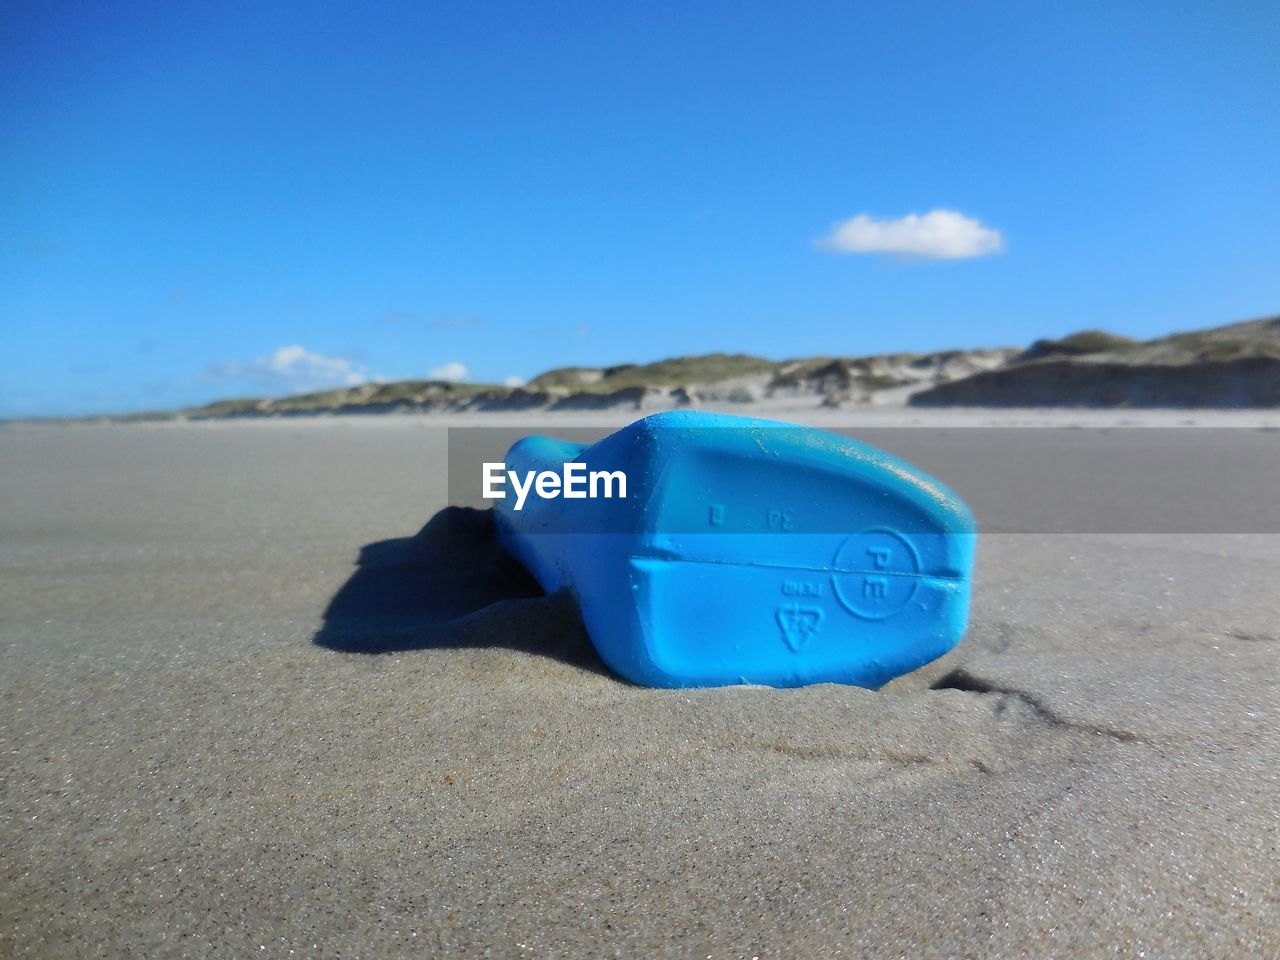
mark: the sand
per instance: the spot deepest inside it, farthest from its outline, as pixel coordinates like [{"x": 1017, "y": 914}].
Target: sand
[{"x": 202, "y": 757}]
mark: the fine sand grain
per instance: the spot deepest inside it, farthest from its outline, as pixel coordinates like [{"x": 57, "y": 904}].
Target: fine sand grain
[{"x": 249, "y": 709}]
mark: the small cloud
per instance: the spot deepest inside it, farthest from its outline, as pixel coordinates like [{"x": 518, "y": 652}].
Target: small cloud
[
  {"x": 936, "y": 235},
  {"x": 400, "y": 318},
  {"x": 457, "y": 323},
  {"x": 558, "y": 331},
  {"x": 514, "y": 381},
  {"x": 294, "y": 363},
  {"x": 291, "y": 368},
  {"x": 450, "y": 371},
  {"x": 16, "y": 401}
]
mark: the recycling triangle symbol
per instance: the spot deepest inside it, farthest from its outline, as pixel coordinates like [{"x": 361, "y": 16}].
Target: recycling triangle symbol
[{"x": 798, "y": 624}]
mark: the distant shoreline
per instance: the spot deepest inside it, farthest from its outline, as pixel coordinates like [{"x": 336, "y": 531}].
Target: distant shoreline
[
  {"x": 1231, "y": 367},
  {"x": 878, "y": 417}
]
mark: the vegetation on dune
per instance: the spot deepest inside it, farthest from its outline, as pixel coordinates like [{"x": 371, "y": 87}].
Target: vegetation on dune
[
  {"x": 673, "y": 372},
  {"x": 867, "y": 372},
  {"x": 727, "y": 377},
  {"x": 1213, "y": 349},
  {"x": 1077, "y": 344},
  {"x": 226, "y": 408},
  {"x": 1237, "y": 341},
  {"x": 1090, "y": 341},
  {"x": 1254, "y": 338},
  {"x": 1229, "y": 366},
  {"x": 368, "y": 396}
]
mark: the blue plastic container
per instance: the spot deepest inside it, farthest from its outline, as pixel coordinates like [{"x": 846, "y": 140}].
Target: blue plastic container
[{"x": 749, "y": 551}]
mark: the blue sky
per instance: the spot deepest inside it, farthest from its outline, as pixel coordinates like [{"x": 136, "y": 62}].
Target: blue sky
[{"x": 205, "y": 200}]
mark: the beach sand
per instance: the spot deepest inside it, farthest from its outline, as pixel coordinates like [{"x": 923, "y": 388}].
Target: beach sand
[{"x": 201, "y": 757}]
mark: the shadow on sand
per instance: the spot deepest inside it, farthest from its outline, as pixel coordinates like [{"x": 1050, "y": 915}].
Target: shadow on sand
[{"x": 451, "y": 585}]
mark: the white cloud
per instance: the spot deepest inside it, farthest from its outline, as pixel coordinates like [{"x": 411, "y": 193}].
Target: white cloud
[
  {"x": 291, "y": 368},
  {"x": 450, "y": 371},
  {"x": 936, "y": 235},
  {"x": 514, "y": 381},
  {"x": 296, "y": 364}
]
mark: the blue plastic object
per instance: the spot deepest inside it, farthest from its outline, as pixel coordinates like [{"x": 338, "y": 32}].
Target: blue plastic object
[{"x": 748, "y": 551}]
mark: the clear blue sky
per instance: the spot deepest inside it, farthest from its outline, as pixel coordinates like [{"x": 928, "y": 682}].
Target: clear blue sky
[{"x": 187, "y": 189}]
